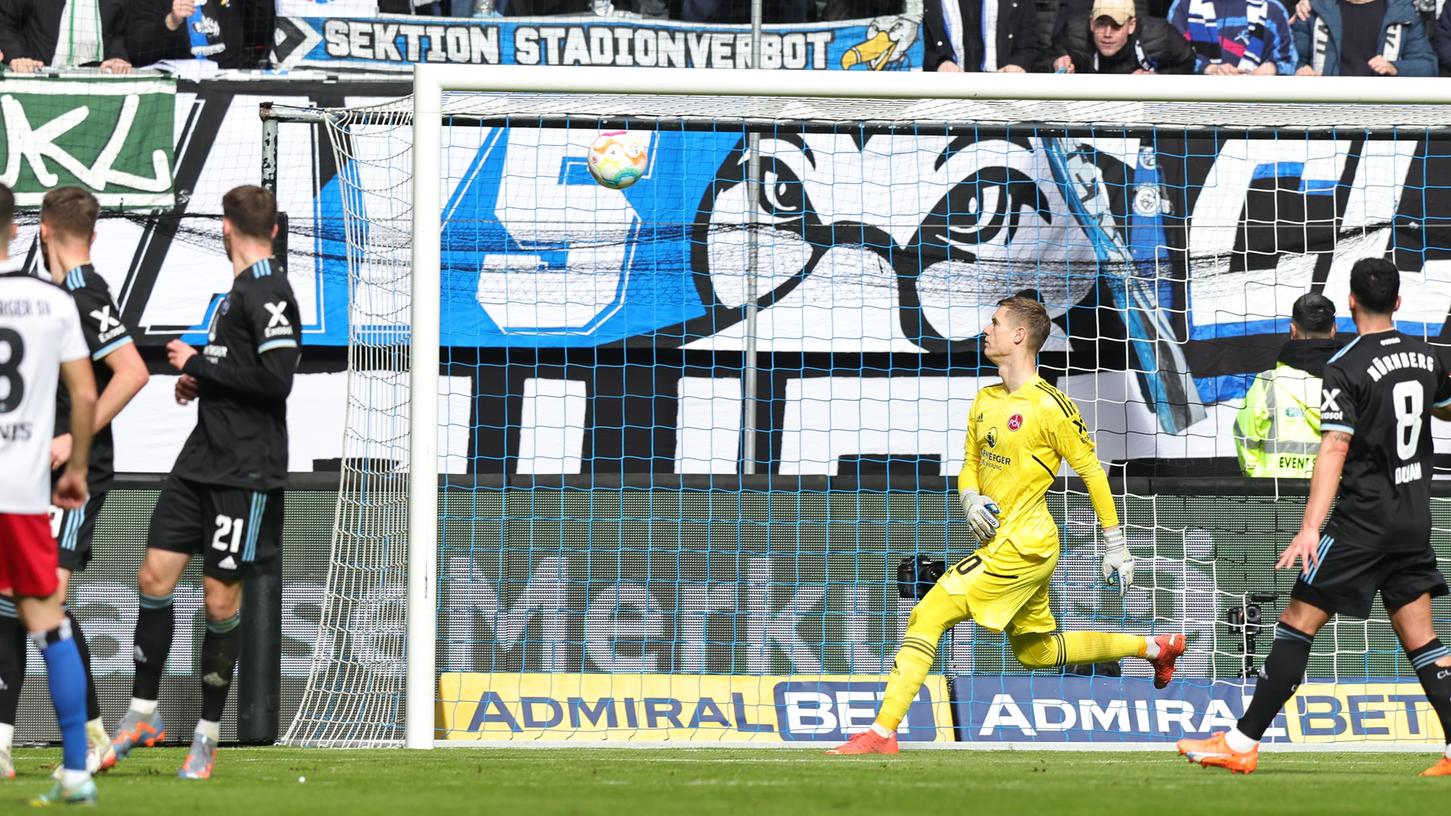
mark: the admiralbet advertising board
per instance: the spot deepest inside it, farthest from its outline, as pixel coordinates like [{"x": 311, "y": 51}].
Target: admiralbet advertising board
[{"x": 683, "y": 708}]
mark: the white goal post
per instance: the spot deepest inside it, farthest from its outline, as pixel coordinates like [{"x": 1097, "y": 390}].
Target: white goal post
[{"x": 625, "y": 87}]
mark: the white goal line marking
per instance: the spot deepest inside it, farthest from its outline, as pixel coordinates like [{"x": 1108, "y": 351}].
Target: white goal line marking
[{"x": 1000, "y": 747}]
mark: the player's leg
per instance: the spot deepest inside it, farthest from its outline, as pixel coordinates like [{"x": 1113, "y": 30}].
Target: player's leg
[
  {"x": 930, "y": 618},
  {"x": 76, "y": 536},
  {"x": 31, "y": 573},
  {"x": 1407, "y": 591},
  {"x": 13, "y": 647},
  {"x": 937, "y": 612},
  {"x": 1283, "y": 670},
  {"x": 1011, "y": 595},
  {"x": 14, "y": 655},
  {"x": 991, "y": 586},
  {"x": 50, "y": 631},
  {"x": 73, "y": 531},
  {"x": 1237, "y": 750},
  {"x": 220, "y": 646},
  {"x": 1344, "y": 582},
  {"x": 944, "y": 606},
  {"x": 234, "y": 556},
  {"x": 141, "y": 725},
  {"x": 1037, "y": 643},
  {"x": 1051, "y": 649},
  {"x": 1432, "y": 662},
  {"x": 176, "y": 532}
]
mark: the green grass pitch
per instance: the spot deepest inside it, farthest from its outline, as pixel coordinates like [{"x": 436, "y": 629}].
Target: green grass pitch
[{"x": 643, "y": 782}]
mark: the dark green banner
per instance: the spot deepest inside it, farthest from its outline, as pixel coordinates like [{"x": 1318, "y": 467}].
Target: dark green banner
[{"x": 112, "y": 136}]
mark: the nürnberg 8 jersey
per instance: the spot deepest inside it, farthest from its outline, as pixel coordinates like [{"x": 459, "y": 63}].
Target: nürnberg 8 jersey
[
  {"x": 39, "y": 329},
  {"x": 1380, "y": 389}
]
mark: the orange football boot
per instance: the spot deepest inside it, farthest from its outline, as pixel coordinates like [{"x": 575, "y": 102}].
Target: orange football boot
[
  {"x": 867, "y": 742},
  {"x": 1170, "y": 649},
  {"x": 1216, "y": 753}
]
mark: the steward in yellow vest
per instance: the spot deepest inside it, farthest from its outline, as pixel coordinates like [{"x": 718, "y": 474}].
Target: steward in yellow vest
[{"x": 1277, "y": 432}]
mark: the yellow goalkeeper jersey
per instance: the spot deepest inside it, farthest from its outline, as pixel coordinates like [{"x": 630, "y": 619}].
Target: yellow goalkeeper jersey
[{"x": 1015, "y": 444}]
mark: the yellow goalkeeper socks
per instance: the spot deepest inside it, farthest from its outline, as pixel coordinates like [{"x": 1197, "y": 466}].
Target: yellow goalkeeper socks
[
  {"x": 909, "y": 670},
  {"x": 1054, "y": 649},
  {"x": 1101, "y": 647},
  {"x": 932, "y": 616}
]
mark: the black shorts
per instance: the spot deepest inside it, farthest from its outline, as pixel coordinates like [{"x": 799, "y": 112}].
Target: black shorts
[
  {"x": 1348, "y": 577},
  {"x": 74, "y": 530},
  {"x": 237, "y": 530}
]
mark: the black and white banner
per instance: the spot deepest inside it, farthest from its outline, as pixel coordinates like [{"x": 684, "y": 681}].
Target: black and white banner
[{"x": 887, "y": 43}]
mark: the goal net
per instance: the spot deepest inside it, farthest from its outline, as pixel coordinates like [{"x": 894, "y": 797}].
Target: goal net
[{"x": 679, "y": 438}]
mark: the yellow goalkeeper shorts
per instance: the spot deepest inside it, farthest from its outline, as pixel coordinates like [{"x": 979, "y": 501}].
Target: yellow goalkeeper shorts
[{"x": 1001, "y": 587}]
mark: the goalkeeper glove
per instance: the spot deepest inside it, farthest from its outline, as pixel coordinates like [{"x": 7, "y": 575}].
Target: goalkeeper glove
[
  {"x": 982, "y": 515},
  {"x": 1118, "y": 562}
]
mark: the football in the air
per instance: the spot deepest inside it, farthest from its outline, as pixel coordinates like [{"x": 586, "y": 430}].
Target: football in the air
[{"x": 617, "y": 159}]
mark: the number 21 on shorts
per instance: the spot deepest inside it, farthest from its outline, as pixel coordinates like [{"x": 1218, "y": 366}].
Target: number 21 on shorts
[{"x": 228, "y": 528}]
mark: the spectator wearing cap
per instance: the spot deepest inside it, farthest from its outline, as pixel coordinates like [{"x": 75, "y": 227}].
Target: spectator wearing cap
[
  {"x": 35, "y": 34},
  {"x": 1277, "y": 432},
  {"x": 1113, "y": 40},
  {"x": 1362, "y": 38},
  {"x": 1073, "y": 9},
  {"x": 1237, "y": 37},
  {"x": 980, "y": 36}
]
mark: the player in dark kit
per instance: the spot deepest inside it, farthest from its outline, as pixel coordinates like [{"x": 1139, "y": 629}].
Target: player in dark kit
[
  {"x": 67, "y": 230},
  {"x": 223, "y": 500},
  {"x": 1377, "y": 398}
]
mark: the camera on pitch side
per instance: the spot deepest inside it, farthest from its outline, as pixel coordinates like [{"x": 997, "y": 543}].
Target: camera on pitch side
[
  {"x": 916, "y": 575},
  {"x": 1246, "y": 621}
]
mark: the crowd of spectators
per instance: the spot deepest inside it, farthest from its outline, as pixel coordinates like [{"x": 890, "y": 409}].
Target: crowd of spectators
[
  {"x": 116, "y": 35},
  {"x": 694, "y": 11},
  {"x": 1228, "y": 37},
  {"x": 1217, "y": 37}
]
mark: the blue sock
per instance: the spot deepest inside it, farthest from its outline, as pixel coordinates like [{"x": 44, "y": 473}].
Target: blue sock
[{"x": 67, "y": 678}]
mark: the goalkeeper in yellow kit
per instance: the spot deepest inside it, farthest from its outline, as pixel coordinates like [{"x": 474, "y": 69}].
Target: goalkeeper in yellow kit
[{"x": 1018, "y": 433}]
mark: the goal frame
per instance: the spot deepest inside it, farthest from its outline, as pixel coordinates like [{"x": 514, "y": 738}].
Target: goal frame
[{"x": 431, "y": 82}]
